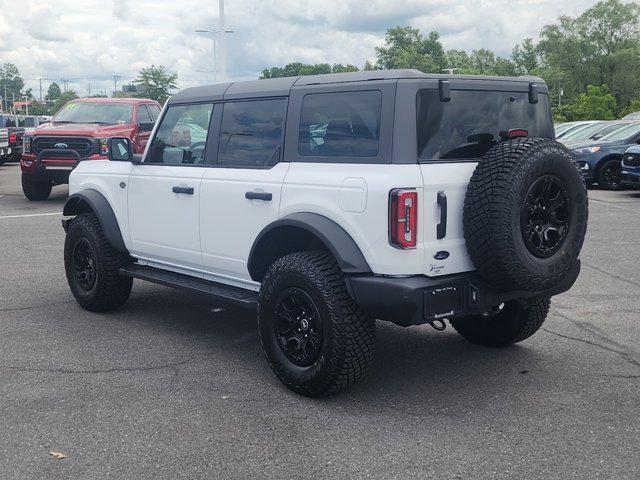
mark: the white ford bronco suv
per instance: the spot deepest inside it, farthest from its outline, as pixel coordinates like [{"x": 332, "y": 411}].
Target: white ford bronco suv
[{"x": 325, "y": 202}]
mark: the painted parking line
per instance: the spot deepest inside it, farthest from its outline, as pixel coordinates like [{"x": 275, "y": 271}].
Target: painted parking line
[{"x": 30, "y": 215}]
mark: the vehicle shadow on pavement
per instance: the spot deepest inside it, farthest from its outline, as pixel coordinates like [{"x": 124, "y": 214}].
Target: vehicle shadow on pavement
[{"x": 414, "y": 367}]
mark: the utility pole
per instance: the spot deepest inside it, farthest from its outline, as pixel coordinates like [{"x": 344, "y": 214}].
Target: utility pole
[
  {"x": 40, "y": 80},
  {"x": 6, "y": 105},
  {"x": 115, "y": 83}
]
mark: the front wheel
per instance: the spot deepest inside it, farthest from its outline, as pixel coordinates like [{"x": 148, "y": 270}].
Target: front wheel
[
  {"x": 316, "y": 339},
  {"x": 35, "y": 189},
  {"x": 517, "y": 321},
  {"x": 92, "y": 266},
  {"x": 609, "y": 175}
]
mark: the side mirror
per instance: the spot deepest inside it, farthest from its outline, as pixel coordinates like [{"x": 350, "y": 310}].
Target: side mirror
[
  {"x": 120, "y": 149},
  {"x": 145, "y": 126}
]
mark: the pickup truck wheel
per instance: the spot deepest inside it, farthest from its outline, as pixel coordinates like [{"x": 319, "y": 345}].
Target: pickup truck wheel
[
  {"x": 517, "y": 321},
  {"x": 525, "y": 214},
  {"x": 92, "y": 266},
  {"x": 316, "y": 339},
  {"x": 35, "y": 189}
]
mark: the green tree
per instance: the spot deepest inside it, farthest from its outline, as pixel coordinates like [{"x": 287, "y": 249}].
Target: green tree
[
  {"x": 597, "y": 47},
  {"x": 156, "y": 82},
  {"x": 10, "y": 81},
  {"x": 53, "y": 92},
  {"x": 38, "y": 108},
  {"x": 597, "y": 103},
  {"x": 525, "y": 57},
  {"x": 459, "y": 61},
  {"x": 633, "y": 107},
  {"x": 406, "y": 47},
  {"x": 296, "y": 69},
  {"x": 62, "y": 100}
]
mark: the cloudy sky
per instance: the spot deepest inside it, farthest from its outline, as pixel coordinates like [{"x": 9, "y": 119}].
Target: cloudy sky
[{"x": 89, "y": 41}]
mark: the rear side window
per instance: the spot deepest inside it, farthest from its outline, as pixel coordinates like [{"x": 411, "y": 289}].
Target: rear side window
[
  {"x": 30, "y": 122},
  {"x": 142, "y": 115},
  {"x": 340, "y": 124},
  {"x": 182, "y": 136},
  {"x": 470, "y": 124},
  {"x": 8, "y": 121},
  {"x": 154, "y": 110},
  {"x": 251, "y": 133}
]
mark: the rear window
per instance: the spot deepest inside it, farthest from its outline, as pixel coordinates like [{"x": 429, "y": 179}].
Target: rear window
[{"x": 470, "y": 124}]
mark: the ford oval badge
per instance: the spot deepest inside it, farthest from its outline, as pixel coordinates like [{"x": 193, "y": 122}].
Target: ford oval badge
[{"x": 441, "y": 255}]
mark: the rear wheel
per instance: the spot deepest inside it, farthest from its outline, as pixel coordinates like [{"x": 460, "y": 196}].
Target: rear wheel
[
  {"x": 517, "y": 321},
  {"x": 92, "y": 266},
  {"x": 35, "y": 189},
  {"x": 609, "y": 174},
  {"x": 316, "y": 339}
]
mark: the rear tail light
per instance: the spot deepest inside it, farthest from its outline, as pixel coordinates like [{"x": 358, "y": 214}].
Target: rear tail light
[
  {"x": 13, "y": 137},
  {"x": 403, "y": 218}
]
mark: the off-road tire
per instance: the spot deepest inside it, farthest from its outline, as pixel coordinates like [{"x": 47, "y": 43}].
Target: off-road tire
[
  {"x": 493, "y": 211},
  {"x": 35, "y": 189},
  {"x": 603, "y": 181},
  {"x": 349, "y": 334},
  {"x": 3, "y": 160},
  {"x": 517, "y": 321},
  {"x": 110, "y": 289}
]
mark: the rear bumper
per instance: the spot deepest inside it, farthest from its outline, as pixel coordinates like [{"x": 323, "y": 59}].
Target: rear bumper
[{"x": 417, "y": 300}]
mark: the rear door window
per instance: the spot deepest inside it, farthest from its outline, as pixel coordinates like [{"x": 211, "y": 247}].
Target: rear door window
[
  {"x": 251, "y": 133},
  {"x": 340, "y": 124},
  {"x": 472, "y": 122}
]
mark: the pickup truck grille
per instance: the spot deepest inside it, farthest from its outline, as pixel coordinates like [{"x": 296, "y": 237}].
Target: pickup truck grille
[
  {"x": 84, "y": 146},
  {"x": 631, "y": 160}
]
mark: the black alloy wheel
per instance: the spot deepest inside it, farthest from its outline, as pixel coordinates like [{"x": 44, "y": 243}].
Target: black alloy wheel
[
  {"x": 611, "y": 175},
  {"x": 545, "y": 217},
  {"x": 84, "y": 264},
  {"x": 298, "y": 327}
]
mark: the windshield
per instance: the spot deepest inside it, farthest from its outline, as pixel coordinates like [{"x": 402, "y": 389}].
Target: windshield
[
  {"x": 95, "y": 112},
  {"x": 472, "y": 122},
  {"x": 584, "y": 132},
  {"x": 563, "y": 127},
  {"x": 623, "y": 134}
]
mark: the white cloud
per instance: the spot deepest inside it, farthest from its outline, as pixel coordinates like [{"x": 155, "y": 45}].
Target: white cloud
[{"x": 89, "y": 41}]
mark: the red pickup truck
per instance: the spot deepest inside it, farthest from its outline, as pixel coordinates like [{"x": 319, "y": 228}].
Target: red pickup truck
[{"x": 79, "y": 132}]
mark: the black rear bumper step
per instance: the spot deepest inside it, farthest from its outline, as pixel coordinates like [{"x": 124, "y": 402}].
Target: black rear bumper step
[{"x": 237, "y": 296}]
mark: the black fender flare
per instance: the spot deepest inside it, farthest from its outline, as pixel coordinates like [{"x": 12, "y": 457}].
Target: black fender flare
[
  {"x": 92, "y": 200},
  {"x": 345, "y": 250}
]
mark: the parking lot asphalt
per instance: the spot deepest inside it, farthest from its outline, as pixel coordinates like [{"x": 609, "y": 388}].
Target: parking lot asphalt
[{"x": 171, "y": 387}]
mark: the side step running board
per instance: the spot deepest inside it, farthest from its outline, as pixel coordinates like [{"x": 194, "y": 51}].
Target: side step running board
[{"x": 227, "y": 293}]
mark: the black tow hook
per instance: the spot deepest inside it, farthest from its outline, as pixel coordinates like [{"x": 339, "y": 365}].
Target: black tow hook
[{"x": 438, "y": 325}]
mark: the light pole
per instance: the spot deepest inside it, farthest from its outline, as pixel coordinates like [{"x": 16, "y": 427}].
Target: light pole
[
  {"x": 222, "y": 61},
  {"x": 223, "y": 70}
]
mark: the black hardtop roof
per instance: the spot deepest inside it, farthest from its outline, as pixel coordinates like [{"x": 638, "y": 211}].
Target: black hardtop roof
[{"x": 273, "y": 87}]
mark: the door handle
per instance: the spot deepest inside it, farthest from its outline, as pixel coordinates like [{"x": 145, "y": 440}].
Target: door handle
[
  {"x": 178, "y": 189},
  {"x": 258, "y": 196},
  {"x": 441, "y": 229}
]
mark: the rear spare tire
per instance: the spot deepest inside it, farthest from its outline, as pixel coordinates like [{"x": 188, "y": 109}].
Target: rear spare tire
[{"x": 525, "y": 214}]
